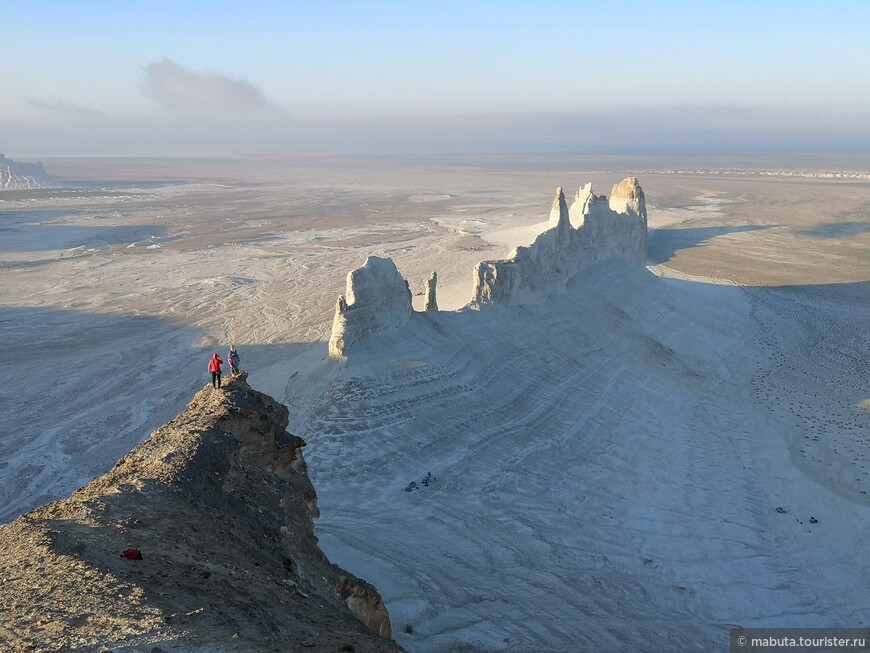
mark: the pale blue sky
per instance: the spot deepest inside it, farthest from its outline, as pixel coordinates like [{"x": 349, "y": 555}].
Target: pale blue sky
[{"x": 794, "y": 68}]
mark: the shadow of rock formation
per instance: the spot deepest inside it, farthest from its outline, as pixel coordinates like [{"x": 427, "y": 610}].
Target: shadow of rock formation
[
  {"x": 664, "y": 243},
  {"x": 837, "y": 230}
]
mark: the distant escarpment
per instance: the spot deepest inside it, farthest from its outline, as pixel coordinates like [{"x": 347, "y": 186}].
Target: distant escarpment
[
  {"x": 219, "y": 505},
  {"x": 22, "y": 176},
  {"x": 593, "y": 229}
]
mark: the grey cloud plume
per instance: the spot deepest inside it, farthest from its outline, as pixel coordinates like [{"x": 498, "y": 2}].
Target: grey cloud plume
[
  {"x": 63, "y": 109},
  {"x": 181, "y": 90}
]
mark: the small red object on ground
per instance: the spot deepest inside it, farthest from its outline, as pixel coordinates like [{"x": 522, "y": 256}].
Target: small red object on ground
[{"x": 131, "y": 554}]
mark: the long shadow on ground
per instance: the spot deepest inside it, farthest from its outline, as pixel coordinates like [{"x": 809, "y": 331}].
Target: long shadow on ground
[{"x": 664, "y": 243}]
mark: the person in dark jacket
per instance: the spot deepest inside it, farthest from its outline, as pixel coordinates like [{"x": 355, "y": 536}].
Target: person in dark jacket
[
  {"x": 214, "y": 366},
  {"x": 233, "y": 359}
]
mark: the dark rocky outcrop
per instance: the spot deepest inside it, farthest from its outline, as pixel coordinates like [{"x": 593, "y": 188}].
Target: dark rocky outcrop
[{"x": 220, "y": 505}]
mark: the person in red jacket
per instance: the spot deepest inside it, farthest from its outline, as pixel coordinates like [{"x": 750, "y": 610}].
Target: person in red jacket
[{"x": 214, "y": 366}]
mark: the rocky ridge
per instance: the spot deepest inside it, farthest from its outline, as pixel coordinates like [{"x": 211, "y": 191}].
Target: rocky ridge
[
  {"x": 219, "y": 503},
  {"x": 593, "y": 229}
]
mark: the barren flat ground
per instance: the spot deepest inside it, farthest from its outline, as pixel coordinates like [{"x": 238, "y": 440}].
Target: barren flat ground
[{"x": 609, "y": 463}]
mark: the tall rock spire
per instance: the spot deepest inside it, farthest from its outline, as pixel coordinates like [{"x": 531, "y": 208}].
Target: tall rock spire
[
  {"x": 431, "y": 299},
  {"x": 559, "y": 210}
]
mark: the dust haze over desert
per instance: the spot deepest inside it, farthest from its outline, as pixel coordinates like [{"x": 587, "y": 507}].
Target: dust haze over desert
[{"x": 630, "y": 415}]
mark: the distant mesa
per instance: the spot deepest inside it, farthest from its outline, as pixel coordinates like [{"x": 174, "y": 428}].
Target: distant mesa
[
  {"x": 593, "y": 229},
  {"x": 23, "y": 176}
]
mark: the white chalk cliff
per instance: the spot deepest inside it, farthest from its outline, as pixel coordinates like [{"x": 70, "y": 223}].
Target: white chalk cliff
[
  {"x": 592, "y": 230},
  {"x": 22, "y": 176},
  {"x": 377, "y": 297}
]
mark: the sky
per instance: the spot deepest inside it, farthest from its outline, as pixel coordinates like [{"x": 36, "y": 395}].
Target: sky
[{"x": 109, "y": 77}]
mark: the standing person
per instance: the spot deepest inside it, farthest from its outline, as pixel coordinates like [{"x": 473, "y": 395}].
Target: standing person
[
  {"x": 233, "y": 359},
  {"x": 214, "y": 366}
]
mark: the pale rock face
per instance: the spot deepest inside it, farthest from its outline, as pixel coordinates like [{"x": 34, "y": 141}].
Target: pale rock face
[
  {"x": 20, "y": 176},
  {"x": 559, "y": 211},
  {"x": 580, "y": 207},
  {"x": 366, "y": 604},
  {"x": 593, "y": 230},
  {"x": 376, "y": 297},
  {"x": 627, "y": 197},
  {"x": 431, "y": 299},
  {"x": 494, "y": 281}
]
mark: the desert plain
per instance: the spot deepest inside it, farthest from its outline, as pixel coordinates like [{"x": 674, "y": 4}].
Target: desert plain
[{"x": 640, "y": 460}]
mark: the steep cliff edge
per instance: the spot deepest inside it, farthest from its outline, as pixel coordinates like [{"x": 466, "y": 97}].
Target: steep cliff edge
[{"x": 220, "y": 505}]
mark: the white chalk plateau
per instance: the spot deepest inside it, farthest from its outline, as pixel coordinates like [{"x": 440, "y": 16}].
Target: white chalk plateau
[
  {"x": 630, "y": 454},
  {"x": 604, "y": 459},
  {"x": 594, "y": 472}
]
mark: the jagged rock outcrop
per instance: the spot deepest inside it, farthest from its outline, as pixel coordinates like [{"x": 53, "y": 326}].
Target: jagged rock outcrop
[
  {"x": 21, "y": 176},
  {"x": 366, "y": 604},
  {"x": 376, "y": 297},
  {"x": 582, "y": 202},
  {"x": 431, "y": 299},
  {"x": 220, "y": 505},
  {"x": 627, "y": 197},
  {"x": 591, "y": 230},
  {"x": 559, "y": 212}
]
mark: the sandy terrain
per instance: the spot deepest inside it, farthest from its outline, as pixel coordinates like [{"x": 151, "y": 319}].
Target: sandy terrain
[{"x": 625, "y": 456}]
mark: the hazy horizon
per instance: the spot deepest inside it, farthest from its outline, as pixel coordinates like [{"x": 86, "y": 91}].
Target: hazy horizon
[{"x": 388, "y": 77}]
